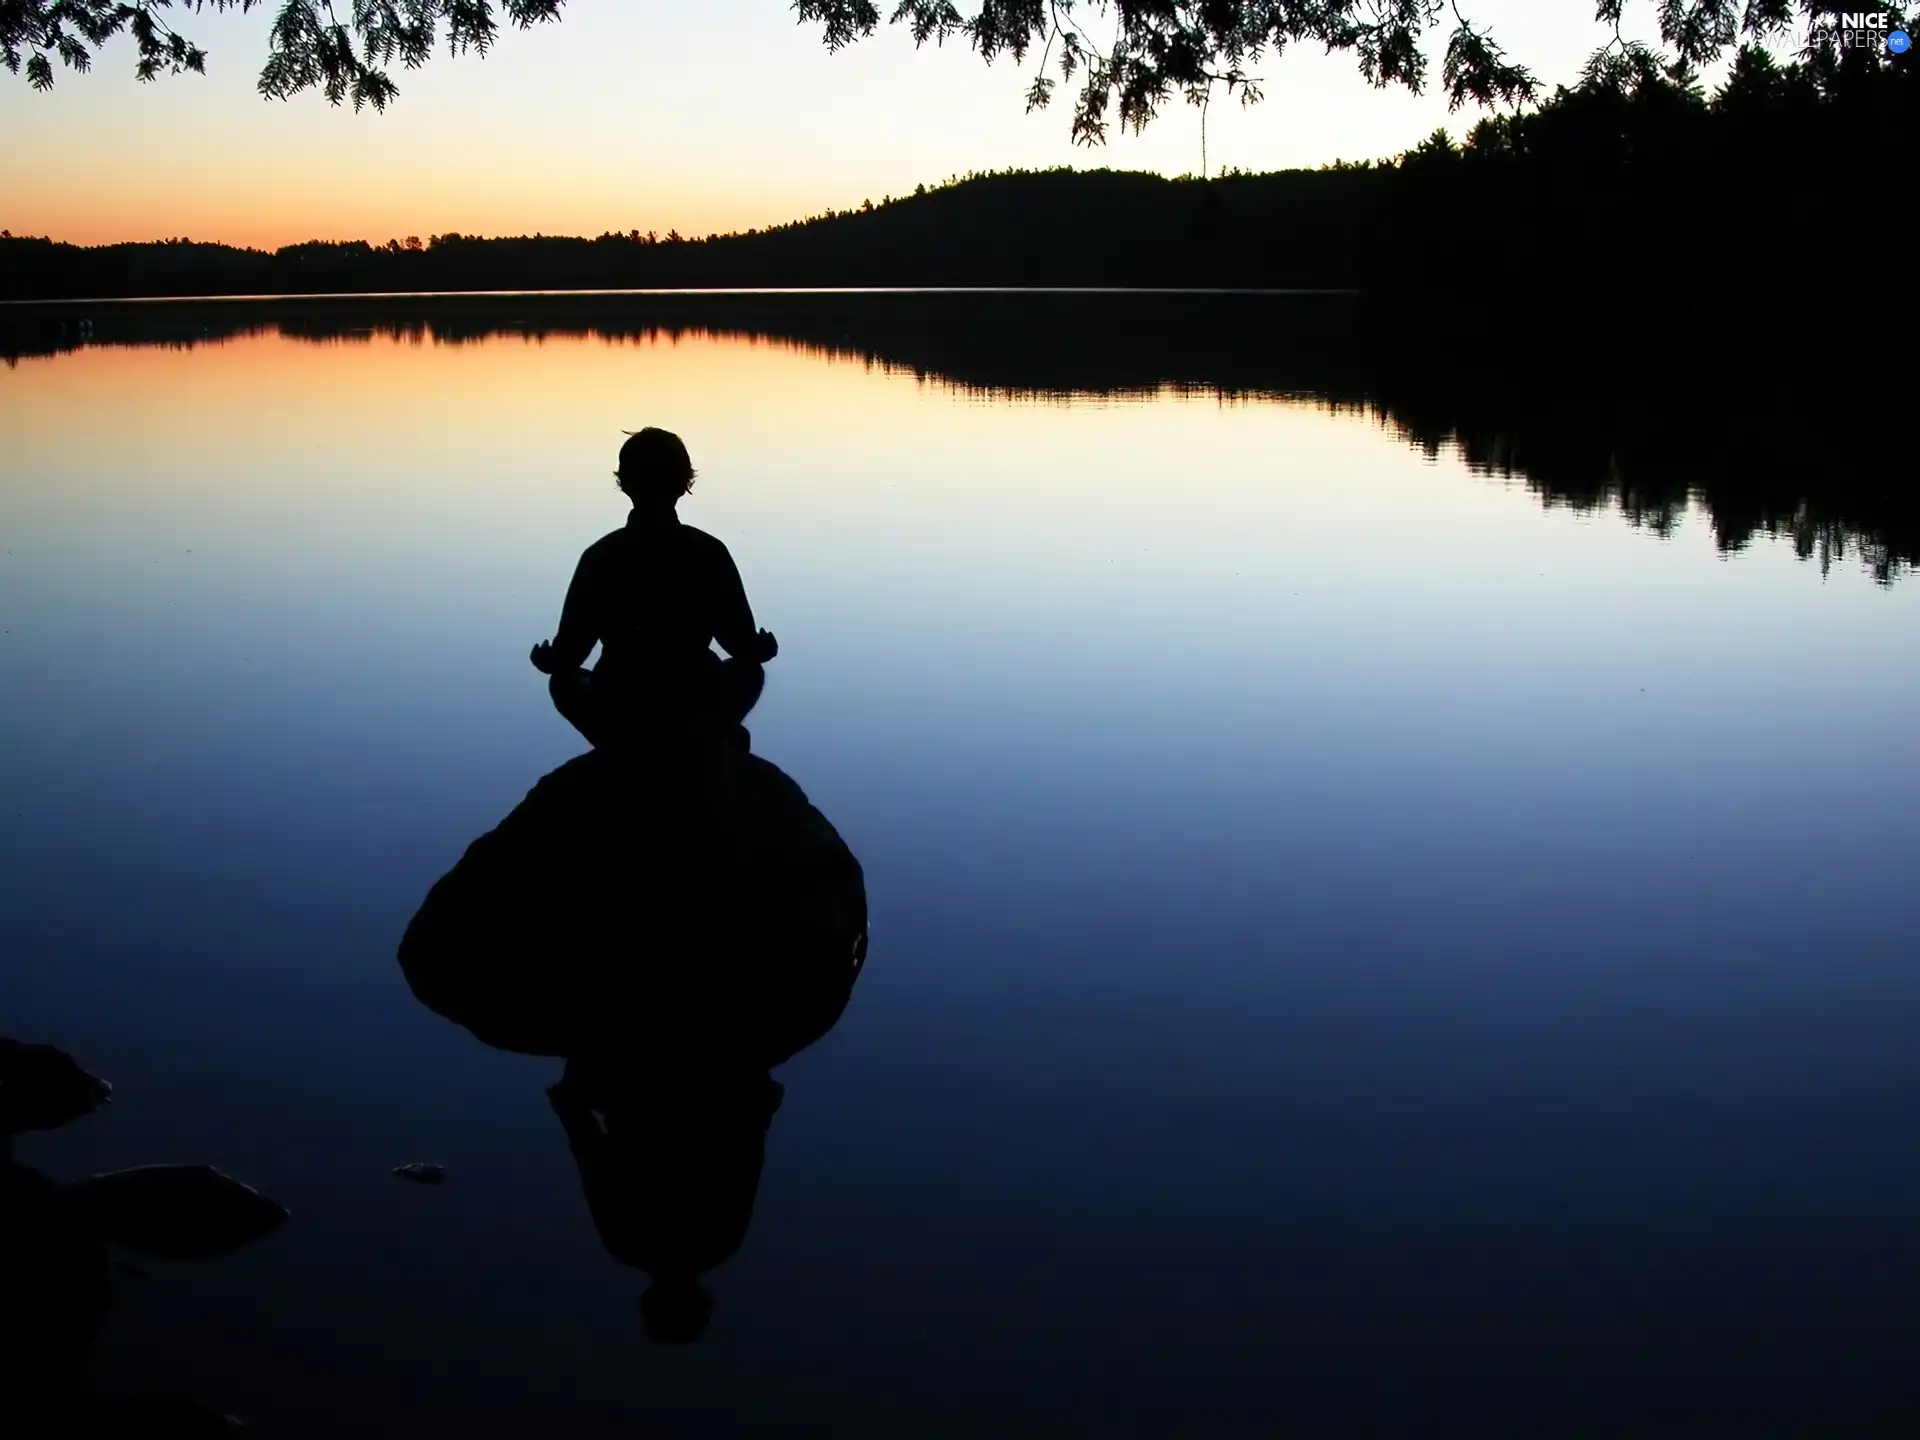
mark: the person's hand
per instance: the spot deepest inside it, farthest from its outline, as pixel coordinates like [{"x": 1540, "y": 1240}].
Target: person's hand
[
  {"x": 769, "y": 647},
  {"x": 542, "y": 657}
]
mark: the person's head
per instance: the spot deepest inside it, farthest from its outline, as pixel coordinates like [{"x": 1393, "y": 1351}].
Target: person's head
[
  {"x": 676, "y": 1309},
  {"x": 654, "y": 467}
]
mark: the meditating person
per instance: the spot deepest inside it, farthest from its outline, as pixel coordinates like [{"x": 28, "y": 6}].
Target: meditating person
[{"x": 655, "y": 595}]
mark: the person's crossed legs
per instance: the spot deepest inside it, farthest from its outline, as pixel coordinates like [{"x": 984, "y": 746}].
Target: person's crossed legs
[
  {"x": 720, "y": 699},
  {"x": 573, "y": 696}
]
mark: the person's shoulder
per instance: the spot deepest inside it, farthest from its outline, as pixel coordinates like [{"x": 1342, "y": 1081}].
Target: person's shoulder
[
  {"x": 605, "y": 545},
  {"x": 695, "y": 538}
]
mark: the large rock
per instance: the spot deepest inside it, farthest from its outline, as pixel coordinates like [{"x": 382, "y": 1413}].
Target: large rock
[
  {"x": 177, "y": 1212},
  {"x": 691, "y": 906}
]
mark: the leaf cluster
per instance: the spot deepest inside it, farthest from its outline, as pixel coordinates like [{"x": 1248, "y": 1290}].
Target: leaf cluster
[
  {"x": 346, "y": 52},
  {"x": 1129, "y": 57},
  {"x": 33, "y": 33},
  {"x": 312, "y": 48}
]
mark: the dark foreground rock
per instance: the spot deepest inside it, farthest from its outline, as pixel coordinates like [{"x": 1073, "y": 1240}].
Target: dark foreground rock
[
  {"x": 689, "y": 904},
  {"x": 42, "y": 1088},
  {"x": 175, "y": 1212},
  {"x": 56, "y": 1272},
  {"x": 55, "y": 1288}
]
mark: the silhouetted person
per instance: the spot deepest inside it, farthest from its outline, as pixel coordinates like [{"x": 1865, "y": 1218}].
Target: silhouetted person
[
  {"x": 655, "y": 595},
  {"x": 670, "y": 1164}
]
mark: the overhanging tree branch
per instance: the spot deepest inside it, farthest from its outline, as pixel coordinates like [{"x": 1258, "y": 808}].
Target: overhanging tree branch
[
  {"x": 1159, "y": 48},
  {"x": 345, "y": 56}
]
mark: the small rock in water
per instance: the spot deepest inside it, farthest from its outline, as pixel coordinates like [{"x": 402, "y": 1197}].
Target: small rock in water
[
  {"x": 421, "y": 1173},
  {"x": 42, "y": 1088}
]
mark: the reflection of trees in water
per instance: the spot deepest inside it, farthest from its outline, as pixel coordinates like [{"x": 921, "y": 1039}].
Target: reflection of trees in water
[
  {"x": 1749, "y": 477},
  {"x": 1761, "y": 446},
  {"x": 1823, "y": 538}
]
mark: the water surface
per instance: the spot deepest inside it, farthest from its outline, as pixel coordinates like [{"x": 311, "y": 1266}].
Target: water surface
[{"x": 1354, "y": 944}]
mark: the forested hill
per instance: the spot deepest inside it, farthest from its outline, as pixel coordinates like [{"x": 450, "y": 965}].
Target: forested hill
[
  {"x": 1642, "y": 187},
  {"x": 1045, "y": 228}
]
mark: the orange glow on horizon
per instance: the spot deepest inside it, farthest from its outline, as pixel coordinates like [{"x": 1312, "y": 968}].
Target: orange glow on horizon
[{"x": 115, "y": 215}]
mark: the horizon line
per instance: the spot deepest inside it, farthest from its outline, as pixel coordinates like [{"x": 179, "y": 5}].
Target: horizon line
[{"x": 696, "y": 290}]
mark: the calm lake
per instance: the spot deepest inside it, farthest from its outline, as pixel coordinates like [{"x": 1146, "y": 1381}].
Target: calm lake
[{"x": 1359, "y": 943}]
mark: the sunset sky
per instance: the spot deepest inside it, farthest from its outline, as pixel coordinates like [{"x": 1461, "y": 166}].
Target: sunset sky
[{"x": 642, "y": 114}]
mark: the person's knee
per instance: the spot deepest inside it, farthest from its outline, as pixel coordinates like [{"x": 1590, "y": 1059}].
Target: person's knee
[
  {"x": 740, "y": 690},
  {"x": 572, "y": 693}
]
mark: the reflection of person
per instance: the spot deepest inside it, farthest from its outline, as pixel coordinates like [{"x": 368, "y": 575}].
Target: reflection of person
[
  {"x": 655, "y": 595},
  {"x": 670, "y": 1165}
]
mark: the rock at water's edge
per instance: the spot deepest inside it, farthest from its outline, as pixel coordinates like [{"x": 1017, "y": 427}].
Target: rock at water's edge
[{"x": 689, "y": 906}]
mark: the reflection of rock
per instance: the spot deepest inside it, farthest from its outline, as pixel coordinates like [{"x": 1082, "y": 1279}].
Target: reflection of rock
[{"x": 695, "y": 904}]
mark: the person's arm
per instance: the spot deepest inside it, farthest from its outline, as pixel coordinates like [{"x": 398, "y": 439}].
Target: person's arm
[
  {"x": 733, "y": 622},
  {"x": 579, "y": 628}
]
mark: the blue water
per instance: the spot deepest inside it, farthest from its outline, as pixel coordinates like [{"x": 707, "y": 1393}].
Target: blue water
[{"x": 1354, "y": 949}]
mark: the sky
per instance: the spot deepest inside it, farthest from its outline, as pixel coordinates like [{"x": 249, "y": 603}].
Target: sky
[{"x": 643, "y": 114}]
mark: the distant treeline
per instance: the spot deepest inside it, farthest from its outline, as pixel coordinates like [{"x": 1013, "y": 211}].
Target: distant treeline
[
  {"x": 1784, "y": 449},
  {"x": 1786, "y": 185}
]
